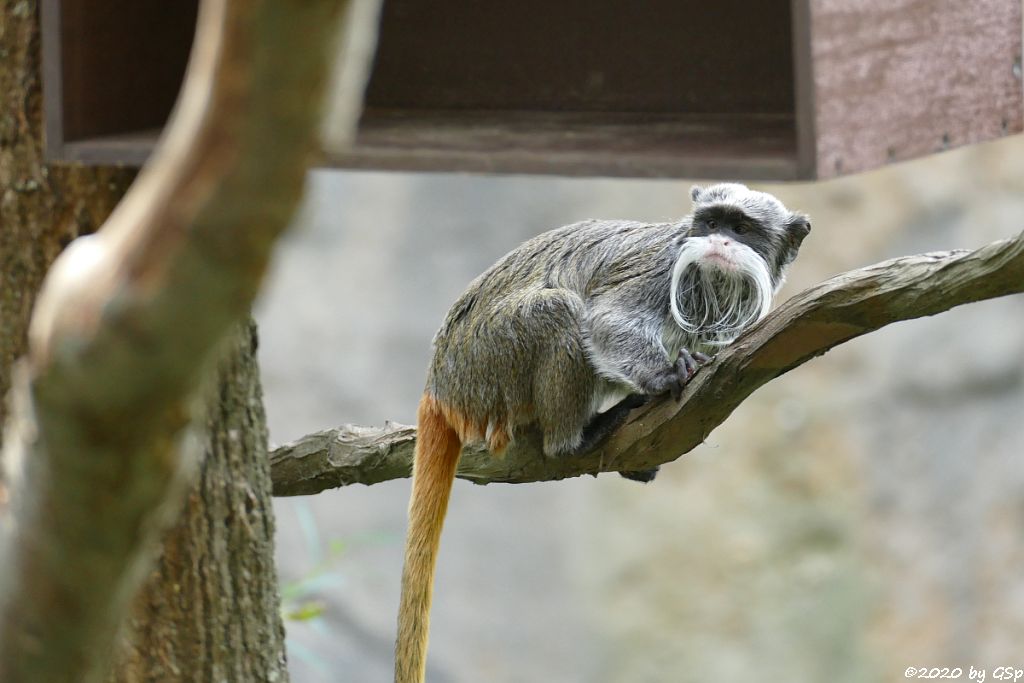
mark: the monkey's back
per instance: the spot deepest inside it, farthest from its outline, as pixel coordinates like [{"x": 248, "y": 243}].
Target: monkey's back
[{"x": 524, "y": 320}]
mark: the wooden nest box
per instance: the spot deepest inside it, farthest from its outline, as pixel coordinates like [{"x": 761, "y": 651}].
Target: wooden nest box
[{"x": 772, "y": 90}]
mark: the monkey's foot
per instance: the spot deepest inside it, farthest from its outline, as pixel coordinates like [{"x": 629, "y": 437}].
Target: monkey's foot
[
  {"x": 642, "y": 476},
  {"x": 603, "y": 424}
]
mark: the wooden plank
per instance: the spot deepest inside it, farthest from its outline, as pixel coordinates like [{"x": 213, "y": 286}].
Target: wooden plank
[
  {"x": 578, "y": 144},
  {"x": 803, "y": 90},
  {"x": 126, "y": 149},
  {"x": 650, "y": 146},
  {"x": 53, "y": 80},
  {"x": 898, "y": 79}
]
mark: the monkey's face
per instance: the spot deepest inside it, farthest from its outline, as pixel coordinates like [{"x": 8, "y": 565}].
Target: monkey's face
[
  {"x": 737, "y": 214},
  {"x": 731, "y": 261}
]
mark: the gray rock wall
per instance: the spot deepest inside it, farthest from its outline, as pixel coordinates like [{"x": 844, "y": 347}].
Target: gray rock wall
[{"x": 863, "y": 514}]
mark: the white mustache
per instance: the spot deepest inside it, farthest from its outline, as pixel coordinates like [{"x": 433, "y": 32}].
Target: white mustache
[{"x": 713, "y": 303}]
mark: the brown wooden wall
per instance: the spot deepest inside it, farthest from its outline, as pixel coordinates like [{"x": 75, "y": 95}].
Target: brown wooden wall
[
  {"x": 898, "y": 79},
  {"x": 773, "y": 89},
  {"x": 114, "y": 66},
  {"x": 659, "y": 56}
]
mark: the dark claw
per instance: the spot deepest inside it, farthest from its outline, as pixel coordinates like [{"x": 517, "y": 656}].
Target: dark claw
[
  {"x": 694, "y": 360},
  {"x": 687, "y": 366},
  {"x": 690, "y": 364}
]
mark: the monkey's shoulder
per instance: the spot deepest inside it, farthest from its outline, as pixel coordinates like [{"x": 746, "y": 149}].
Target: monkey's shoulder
[
  {"x": 600, "y": 231},
  {"x": 581, "y": 248},
  {"x": 582, "y": 257}
]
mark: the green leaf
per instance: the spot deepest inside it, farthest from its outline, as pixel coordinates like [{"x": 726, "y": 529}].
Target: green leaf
[{"x": 306, "y": 611}]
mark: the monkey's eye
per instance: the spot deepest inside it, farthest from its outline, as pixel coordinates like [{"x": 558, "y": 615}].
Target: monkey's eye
[
  {"x": 741, "y": 228},
  {"x": 712, "y": 225}
]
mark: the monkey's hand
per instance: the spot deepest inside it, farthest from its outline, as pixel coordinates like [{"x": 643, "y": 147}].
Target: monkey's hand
[
  {"x": 675, "y": 377},
  {"x": 671, "y": 381}
]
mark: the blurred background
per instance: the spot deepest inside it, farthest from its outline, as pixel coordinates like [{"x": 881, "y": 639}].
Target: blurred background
[{"x": 860, "y": 515}]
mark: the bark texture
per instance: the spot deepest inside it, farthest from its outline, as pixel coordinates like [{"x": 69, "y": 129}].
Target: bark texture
[
  {"x": 806, "y": 326},
  {"x": 210, "y": 610}
]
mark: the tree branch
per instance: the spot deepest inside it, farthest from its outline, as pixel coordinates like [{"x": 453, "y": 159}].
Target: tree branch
[
  {"x": 805, "y": 326},
  {"x": 129, "y": 319}
]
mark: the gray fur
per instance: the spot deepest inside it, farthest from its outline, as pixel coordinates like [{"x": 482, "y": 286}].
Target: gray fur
[
  {"x": 572, "y": 317},
  {"x": 760, "y": 206}
]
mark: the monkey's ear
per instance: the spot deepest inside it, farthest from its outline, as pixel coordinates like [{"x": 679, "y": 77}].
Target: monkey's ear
[
  {"x": 695, "y": 192},
  {"x": 798, "y": 227}
]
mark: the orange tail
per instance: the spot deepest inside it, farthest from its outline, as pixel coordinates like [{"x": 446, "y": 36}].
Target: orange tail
[{"x": 437, "y": 455}]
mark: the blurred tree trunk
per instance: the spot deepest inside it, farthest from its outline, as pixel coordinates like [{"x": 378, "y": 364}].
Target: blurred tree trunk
[
  {"x": 41, "y": 208},
  {"x": 210, "y": 611}
]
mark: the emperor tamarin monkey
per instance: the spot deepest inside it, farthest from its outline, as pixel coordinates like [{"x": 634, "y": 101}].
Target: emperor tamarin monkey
[{"x": 569, "y": 322}]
